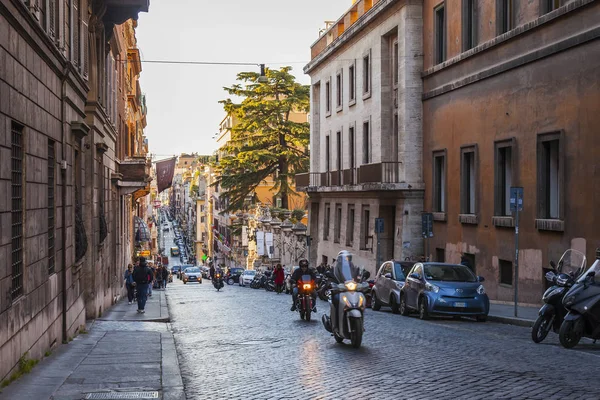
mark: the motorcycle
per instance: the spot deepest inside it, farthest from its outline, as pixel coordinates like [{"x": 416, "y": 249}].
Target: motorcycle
[
  {"x": 218, "y": 281},
  {"x": 270, "y": 284},
  {"x": 552, "y": 314},
  {"x": 324, "y": 289},
  {"x": 582, "y": 302},
  {"x": 347, "y": 306},
  {"x": 304, "y": 302}
]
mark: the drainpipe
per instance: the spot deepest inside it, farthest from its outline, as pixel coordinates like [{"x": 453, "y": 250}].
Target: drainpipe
[{"x": 63, "y": 172}]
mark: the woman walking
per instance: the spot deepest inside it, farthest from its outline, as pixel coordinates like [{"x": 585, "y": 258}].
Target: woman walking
[
  {"x": 279, "y": 277},
  {"x": 129, "y": 282}
]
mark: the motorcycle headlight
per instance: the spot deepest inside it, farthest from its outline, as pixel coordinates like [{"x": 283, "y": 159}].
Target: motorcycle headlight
[
  {"x": 480, "y": 290},
  {"x": 351, "y": 286},
  {"x": 431, "y": 287},
  {"x": 306, "y": 286}
]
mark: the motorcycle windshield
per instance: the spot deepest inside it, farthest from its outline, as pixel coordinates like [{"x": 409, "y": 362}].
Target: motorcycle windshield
[
  {"x": 306, "y": 278},
  {"x": 572, "y": 262},
  {"x": 594, "y": 268},
  {"x": 345, "y": 270}
]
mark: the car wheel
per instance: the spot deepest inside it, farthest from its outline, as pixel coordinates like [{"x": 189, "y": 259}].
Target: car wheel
[
  {"x": 403, "y": 308},
  {"x": 394, "y": 305},
  {"x": 375, "y": 304},
  {"x": 230, "y": 281},
  {"x": 423, "y": 313}
]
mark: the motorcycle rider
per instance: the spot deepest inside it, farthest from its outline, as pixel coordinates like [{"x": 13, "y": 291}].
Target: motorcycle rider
[{"x": 296, "y": 276}]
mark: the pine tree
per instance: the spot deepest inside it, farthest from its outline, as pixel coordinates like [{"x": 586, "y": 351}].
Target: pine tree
[{"x": 264, "y": 141}]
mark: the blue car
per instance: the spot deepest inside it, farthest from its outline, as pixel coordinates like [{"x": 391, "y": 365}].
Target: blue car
[{"x": 444, "y": 289}]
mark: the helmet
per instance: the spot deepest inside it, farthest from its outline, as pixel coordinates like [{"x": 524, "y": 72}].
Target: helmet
[{"x": 303, "y": 263}]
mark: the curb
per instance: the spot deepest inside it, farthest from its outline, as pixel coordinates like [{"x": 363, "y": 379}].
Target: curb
[
  {"x": 527, "y": 323},
  {"x": 166, "y": 319}
]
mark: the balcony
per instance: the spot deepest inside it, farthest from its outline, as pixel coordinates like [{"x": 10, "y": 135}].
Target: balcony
[
  {"x": 119, "y": 11},
  {"x": 378, "y": 176},
  {"x": 133, "y": 175}
]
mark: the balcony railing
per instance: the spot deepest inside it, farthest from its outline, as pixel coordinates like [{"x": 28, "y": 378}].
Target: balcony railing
[{"x": 384, "y": 172}]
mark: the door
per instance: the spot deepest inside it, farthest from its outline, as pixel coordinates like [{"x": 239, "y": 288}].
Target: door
[
  {"x": 380, "y": 282},
  {"x": 388, "y": 282},
  {"x": 413, "y": 286}
]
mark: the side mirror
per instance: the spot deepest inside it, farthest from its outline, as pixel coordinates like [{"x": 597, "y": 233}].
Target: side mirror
[
  {"x": 480, "y": 279},
  {"x": 415, "y": 276},
  {"x": 388, "y": 275},
  {"x": 553, "y": 264},
  {"x": 591, "y": 274}
]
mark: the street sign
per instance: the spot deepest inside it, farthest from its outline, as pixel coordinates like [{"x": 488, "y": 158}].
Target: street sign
[
  {"x": 378, "y": 225},
  {"x": 516, "y": 193},
  {"x": 144, "y": 253},
  {"x": 427, "y": 225},
  {"x": 204, "y": 257}
]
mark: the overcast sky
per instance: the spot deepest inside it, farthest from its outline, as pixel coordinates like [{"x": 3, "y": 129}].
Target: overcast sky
[{"x": 183, "y": 108}]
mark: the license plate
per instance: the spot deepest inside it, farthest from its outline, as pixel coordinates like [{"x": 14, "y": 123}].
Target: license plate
[{"x": 460, "y": 305}]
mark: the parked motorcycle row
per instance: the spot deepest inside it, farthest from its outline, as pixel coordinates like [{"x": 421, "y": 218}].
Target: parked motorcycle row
[{"x": 572, "y": 304}]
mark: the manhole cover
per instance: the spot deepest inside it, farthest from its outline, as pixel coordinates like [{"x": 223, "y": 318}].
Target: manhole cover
[{"x": 122, "y": 395}]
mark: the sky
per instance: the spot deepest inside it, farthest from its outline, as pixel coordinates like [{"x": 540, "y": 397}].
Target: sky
[{"x": 183, "y": 109}]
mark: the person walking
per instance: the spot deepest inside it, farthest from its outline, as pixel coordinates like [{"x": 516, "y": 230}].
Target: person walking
[
  {"x": 165, "y": 276},
  {"x": 142, "y": 277},
  {"x": 278, "y": 277},
  {"x": 150, "y": 278},
  {"x": 129, "y": 283}
]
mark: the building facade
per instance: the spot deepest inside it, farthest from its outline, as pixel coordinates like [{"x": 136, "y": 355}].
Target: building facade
[
  {"x": 511, "y": 99},
  {"x": 366, "y": 134},
  {"x": 64, "y": 176}
]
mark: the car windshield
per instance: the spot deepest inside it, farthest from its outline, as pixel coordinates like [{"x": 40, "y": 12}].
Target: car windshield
[
  {"x": 188, "y": 270},
  {"x": 251, "y": 272},
  {"x": 401, "y": 271},
  {"x": 449, "y": 273}
]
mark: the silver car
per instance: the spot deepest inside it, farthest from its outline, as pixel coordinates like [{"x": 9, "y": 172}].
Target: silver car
[{"x": 389, "y": 280}]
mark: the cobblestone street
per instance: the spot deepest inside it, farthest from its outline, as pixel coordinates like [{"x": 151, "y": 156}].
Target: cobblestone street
[{"x": 244, "y": 343}]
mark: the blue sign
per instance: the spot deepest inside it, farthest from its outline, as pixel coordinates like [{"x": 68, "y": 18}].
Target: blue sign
[
  {"x": 516, "y": 193},
  {"x": 378, "y": 225},
  {"x": 427, "y": 225}
]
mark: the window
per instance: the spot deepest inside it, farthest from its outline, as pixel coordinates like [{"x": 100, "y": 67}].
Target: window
[
  {"x": 506, "y": 272},
  {"x": 550, "y": 176},
  {"x": 367, "y": 75},
  {"x": 338, "y": 139},
  {"x": 327, "y": 222},
  {"x": 440, "y": 255},
  {"x": 352, "y": 84},
  {"x": 338, "y": 91},
  {"x": 327, "y": 154},
  {"x": 338, "y": 223},
  {"x": 52, "y": 19},
  {"x": 350, "y": 226},
  {"x": 469, "y": 24},
  {"x": 468, "y": 259},
  {"x": 395, "y": 61},
  {"x": 51, "y": 210},
  {"x": 503, "y": 177},
  {"x": 366, "y": 143},
  {"x": 351, "y": 147},
  {"x": 549, "y": 5},
  {"x": 328, "y": 98},
  {"x": 505, "y": 15},
  {"x": 440, "y": 34},
  {"x": 439, "y": 181},
  {"x": 468, "y": 182},
  {"x": 365, "y": 228},
  {"x": 17, "y": 210}
]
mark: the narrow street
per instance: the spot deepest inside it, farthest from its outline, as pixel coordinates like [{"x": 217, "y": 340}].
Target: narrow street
[{"x": 245, "y": 343}]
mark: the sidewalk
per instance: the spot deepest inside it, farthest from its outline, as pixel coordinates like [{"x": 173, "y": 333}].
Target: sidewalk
[
  {"x": 505, "y": 313},
  {"x": 125, "y": 355}
]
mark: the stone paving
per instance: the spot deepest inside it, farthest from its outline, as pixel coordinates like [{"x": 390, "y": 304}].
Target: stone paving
[{"x": 242, "y": 343}]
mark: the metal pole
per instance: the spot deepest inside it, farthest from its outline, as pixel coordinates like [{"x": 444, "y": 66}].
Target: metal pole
[
  {"x": 378, "y": 250},
  {"x": 517, "y": 256}
]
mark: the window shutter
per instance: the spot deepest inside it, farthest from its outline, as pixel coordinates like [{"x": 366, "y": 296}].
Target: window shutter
[
  {"x": 114, "y": 90},
  {"x": 85, "y": 49},
  {"x": 52, "y": 18}
]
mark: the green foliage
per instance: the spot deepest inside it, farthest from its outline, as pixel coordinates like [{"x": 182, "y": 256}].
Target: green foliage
[
  {"x": 298, "y": 214},
  {"x": 48, "y": 353},
  {"x": 264, "y": 141},
  {"x": 25, "y": 366}
]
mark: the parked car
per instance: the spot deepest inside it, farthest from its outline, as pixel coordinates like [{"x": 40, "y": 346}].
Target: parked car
[
  {"x": 191, "y": 274},
  {"x": 233, "y": 275},
  {"x": 388, "y": 283},
  {"x": 444, "y": 289},
  {"x": 246, "y": 277},
  {"x": 166, "y": 228}
]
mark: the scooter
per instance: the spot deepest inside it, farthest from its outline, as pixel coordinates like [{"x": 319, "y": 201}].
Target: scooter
[
  {"x": 583, "y": 303},
  {"x": 552, "y": 314},
  {"x": 218, "y": 281},
  {"x": 347, "y": 306}
]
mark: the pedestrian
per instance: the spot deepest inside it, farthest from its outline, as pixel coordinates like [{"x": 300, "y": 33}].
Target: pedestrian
[
  {"x": 212, "y": 271},
  {"x": 165, "y": 276},
  {"x": 150, "y": 279},
  {"x": 129, "y": 283},
  {"x": 142, "y": 278},
  {"x": 278, "y": 277}
]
